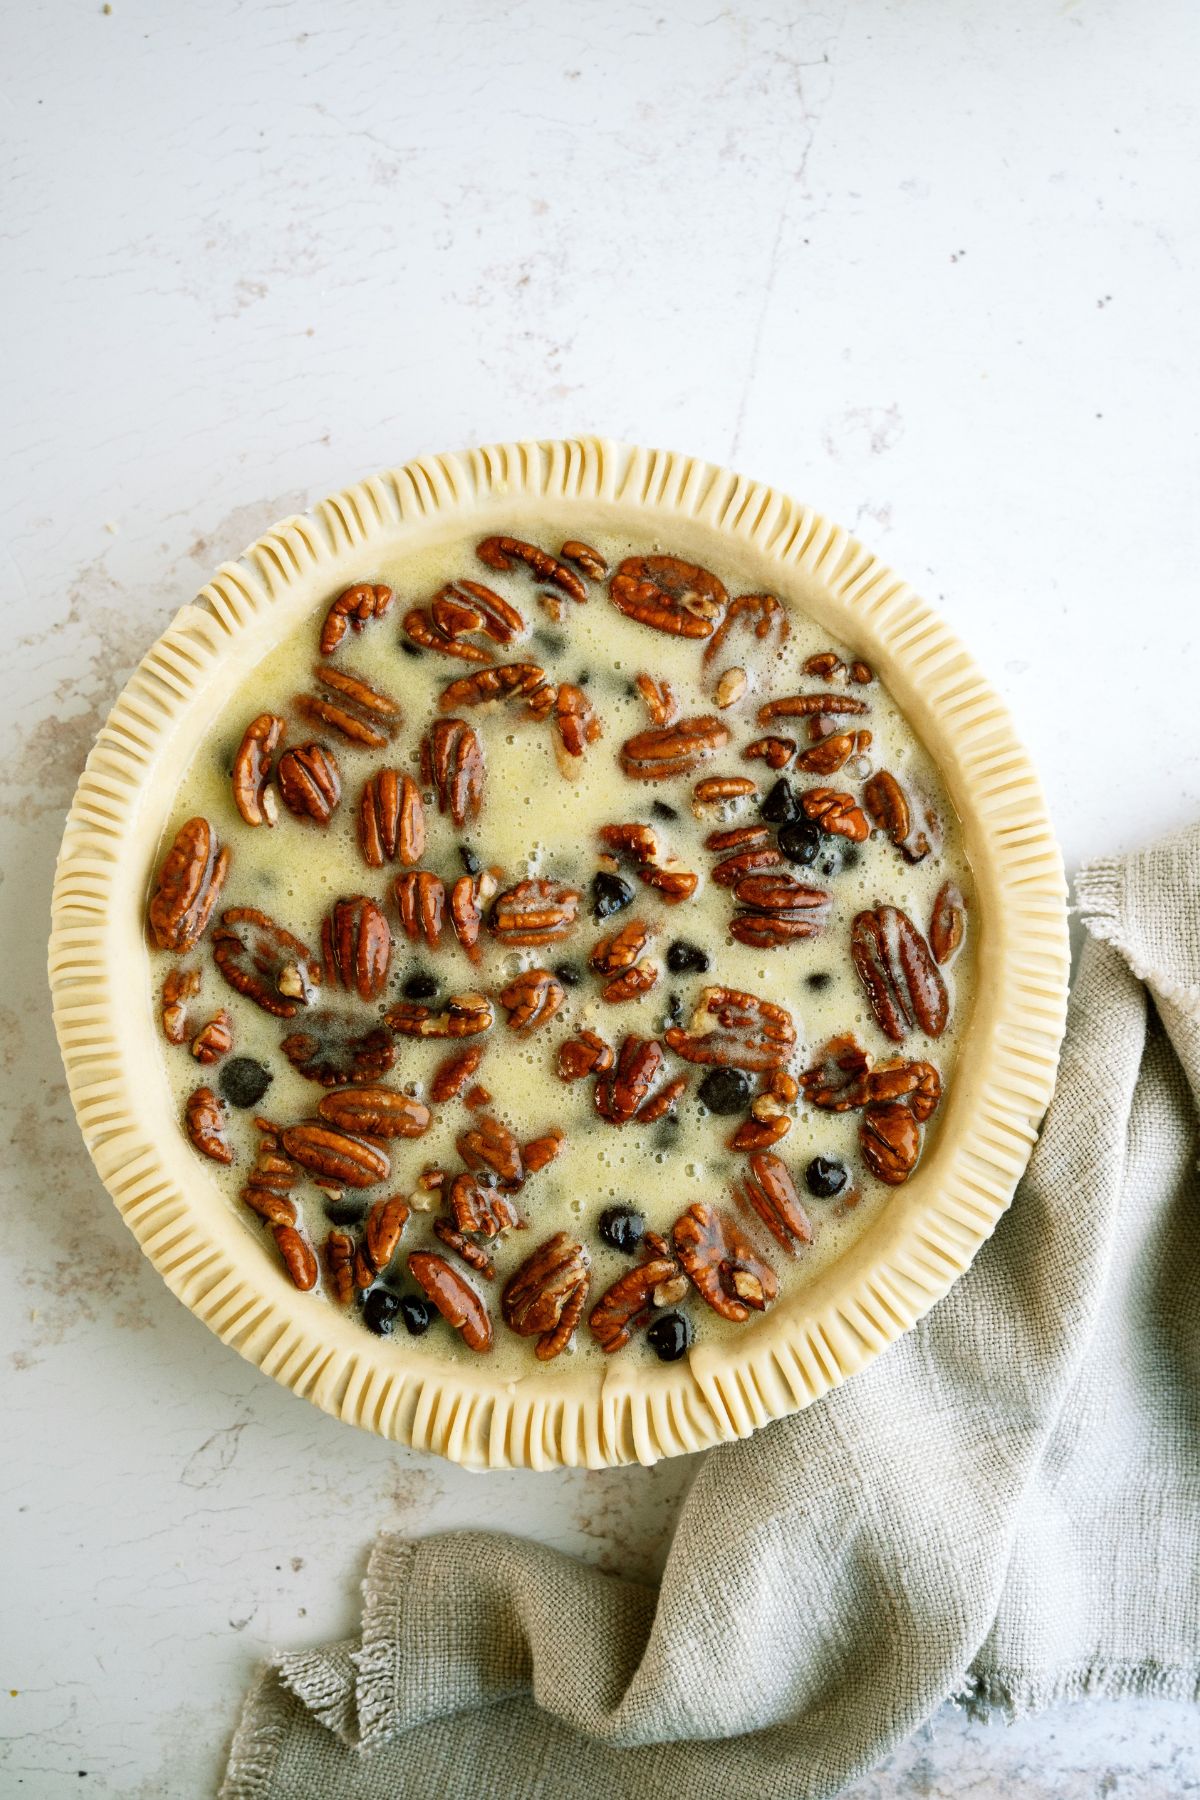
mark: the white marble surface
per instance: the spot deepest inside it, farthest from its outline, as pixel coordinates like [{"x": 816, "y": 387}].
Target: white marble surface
[{"x": 932, "y": 266}]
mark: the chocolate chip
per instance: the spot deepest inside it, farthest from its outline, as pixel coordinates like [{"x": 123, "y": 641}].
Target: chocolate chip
[
  {"x": 818, "y": 981},
  {"x": 379, "y": 1311},
  {"x": 779, "y": 807},
  {"x": 411, "y": 649},
  {"x": 416, "y": 1313},
  {"x": 609, "y": 895},
  {"x": 345, "y": 1212},
  {"x": 669, "y": 1336},
  {"x": 243, "y": 1081},
  {"x": 824, "y": 1177},
  {"x": 800, "y": 841},
  {"x": 469, "y": 860},
  {"x": 420, "y": 986},
  {"x": 622, "y": 1227},
  {"x": 661, "y": 810},
  {"x": 725, "y": 1091},
  {"x": 686, "y": 959},
  {"x": 569, "y": 973}
]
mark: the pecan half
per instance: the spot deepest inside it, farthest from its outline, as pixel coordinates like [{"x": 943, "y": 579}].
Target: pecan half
[
  {"x": 420, "y": 629},
  {"x": 585, "y": 1054},
  {"x": 298, "y": 1257},
  {"x": 466, "y": 911},
  {"x": 473, "y": 1254},
  {"x": 658, "y": 697},
  {"x": 757, "y": 857},
  {"x": 546, "y": 1295},
  {"x": 261, "y": 960},
  {"x": 723, "y": 1266},
  {"x": 531, "y": 999},
  {"x": 768, "y": 931},
  {"x": 917, "y": 1083},
  {"x": 506, "y": 681},
  {"x": 452, "y": 763},
  {"x": 802, "y": 706},
  {"x": 757, "y": 1134},
  {"x": 503, "y": 552},
  {"x": 669, "y": 881},
  {"x": 768, "y": 1189},
  {"x": 337, "y": 1254},
  {"x": 391, "y": 819},
  {"x": 354, "y": 610},
  {"x": 333, "y": 1049},
  {"x": 351, "y": 707},
  {"x": 484, "y": 1210},
  {"x": 179, "y": 986},
  {"x": 464, "y": 1015},
  {"x": 383, "y": 1228},
  {"x": 669, "y": 750},
  {"x": 575, "y": 721},
  {"x": 661, "y": 1103},
  {"x": 947, "y": 925},
  {"x": 764, "y": 611},
  {"x": 540, "y": 1152},
  {"x": 309, "y": 783},
  {"x": 356, "y": 947},
  {"x": 731, "y": 1029},
  {"x": 621, "y": 1090},
  {"x": 626, "y": 1306},
  {"x": 783, "y": 893},
  {"x": 669, "y": 595},
  {"x": 204, "y": 1116},
  {"x": 833, "y": 753},
  {"x": 776, "y": 752},
  {"x": 715, "y": 788},
  {"x": 489, "y": 1144},
  {"x": 898, "y": 973},
  {"x": 453, "y": 1073},
  {"x": 271, "y": 1180},
  {"x": 499, "y": 619},
  {"x": 421, "y": 902},
  {"x": 585, "y": 558},
  {"x": 630, "y": 983},
  {"x": 535, "y": 912},
  {"x": 621, "y": 949},
  {"x": 252, "y": 770},
  {"x": 889, "y": 808},
  {"x": 214, "y": 1040},
  {"x": 376, "y": 1112},
  {"x": 836, "y": 813},
  {"x": 335, "y": 1156},
  {"x": 637, "y": 841},
  {"x": 454, "y": 1298},
  {"x": 890, "y": 1139},
  {"x": 837, "y": 1080},
  {"x": 189, "y": 882}
]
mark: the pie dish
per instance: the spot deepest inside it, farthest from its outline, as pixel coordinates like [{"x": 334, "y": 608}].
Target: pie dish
[{"x": 475, "y": 847}]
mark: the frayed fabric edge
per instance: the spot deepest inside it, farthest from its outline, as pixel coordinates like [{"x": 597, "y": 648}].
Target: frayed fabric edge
[
  {"x": 256, "y": 1743},
  {"x": 385, "y": 1592},
  {"x": 1099, "y": 893},
  {"x": 1014, "y": 1695}
]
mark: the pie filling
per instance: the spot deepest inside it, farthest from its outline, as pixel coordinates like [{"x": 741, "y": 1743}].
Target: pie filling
[{"x": 560, "y": 950}]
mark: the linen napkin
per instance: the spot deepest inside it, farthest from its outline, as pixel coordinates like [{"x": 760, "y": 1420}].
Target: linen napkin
[{"x": 1004, "y": 1507}]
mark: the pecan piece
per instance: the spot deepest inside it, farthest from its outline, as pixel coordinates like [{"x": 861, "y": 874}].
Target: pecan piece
[
  {"x": 351, "y": 707},
  {"x": 723, "y": 1266},
  {"x": 947, "y": 925},
  {"x": 621, "y": 1090},
  {"x": 626, "y": 1306},
  {"x": 214, "y": 1040},
  {"x": 837, "y": 1081},
  {"x": 252, "y": 770},
  {"x": 337, "y": 1253},
  {"x": 738, "y": 837},
  {"x": 204, "y": 1116},
  {"x": 676, "y": 749},
  {"x": 585, "y": 558},
  {"x": 271, "y": 1180},
  {"x": 669, "y": 881},
  {"x": 585, "y": 1054},
  {"x": 917, "y": 1083},
  {"x": 715, "y": 788},
  {"x": 499, "y": 620},
  {"x": 376, "y": 1112},
  {"x": 621, "y": 949},
  {"x": 485, "y": 1211},
  {"x": 658, "y": 697},
  {"x": 861, "y": 673},
  {"x": 826, "y": 666},
  {"x": 768, "y": 1189},
  {"x": 730, "y": 688},
  {"x": 661, "y": 1103},
  {"x": 803, "y": 706},
  {"x": 391, "y": 819},
  {"x": 489, "y": 1144},
  {"x": 833, "y": 753},
  {"x": 638, "y": 841},
  {"x": 669, "y": 595},
  {"x": 464, "y": 1015},
  {"x": 334, "y": 1050},
  {"x": 353, "y": 610},
  {"x": 898, "y": 973},
  {"x": 531, "y": 999},
  {"x": 298, "y": 1257},
  {"x": 383, "y": 1228},
  {"x": 776, "y": 752},
  {"x": 764, "y": 610},
  {"x": 890, "y": 1139},
  {"x": 309, "y": 783},
  {"x": 535, "y": 912},
  {"x": 758, "y": 1133},
  {"x": 540, "y": 1152},
  {"x": 261, "y": 960},
  {"x": 452, "y": 763},
  {"x": 630, "y": 983},
  {"x": 466, "y": 912},
  {"x": 454, "y": 1298},
  {"x": 473, "y": 1254},
  {"x": 732, "y": 1029},
  {"x": 546, "y": 1295},
  {"x": 889, "y": 808},
  {"x": 335, "y": 1156},
  {"x": 179, "y": 986},
  {"x": 506, "y": 681},
  {"x": 452, "y": 1075},
  {"x": 503, "y": 552},
  {"x": 575, "y": 722},
  {"x": 752, "y": 861},
  {"x": 421, "y": 902},
  {"x": 356, "y": 947},
  {"x": 420, "y": 629},
  {"x": 835, "y": 813},
  {"x": 189, "y": 883}
]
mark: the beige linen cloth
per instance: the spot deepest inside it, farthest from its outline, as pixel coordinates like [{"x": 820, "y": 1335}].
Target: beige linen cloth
[{"x": 1004, "y": 1507}]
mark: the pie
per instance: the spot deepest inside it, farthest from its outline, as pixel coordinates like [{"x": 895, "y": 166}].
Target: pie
[{"x": 601, "y": 955}]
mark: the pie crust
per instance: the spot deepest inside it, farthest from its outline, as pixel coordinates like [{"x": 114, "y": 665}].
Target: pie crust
[{"x": 592, "y": 1416}]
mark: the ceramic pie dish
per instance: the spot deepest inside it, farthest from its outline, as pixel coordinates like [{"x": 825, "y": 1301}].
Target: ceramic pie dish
[{"x": 558, "y": 955}]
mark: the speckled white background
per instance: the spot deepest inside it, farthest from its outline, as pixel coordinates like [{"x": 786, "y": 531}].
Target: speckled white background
[{"x": 930, "y": 265}]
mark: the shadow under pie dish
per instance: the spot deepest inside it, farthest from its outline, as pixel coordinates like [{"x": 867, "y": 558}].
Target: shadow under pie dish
[{"x": 599, "y": 955}]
